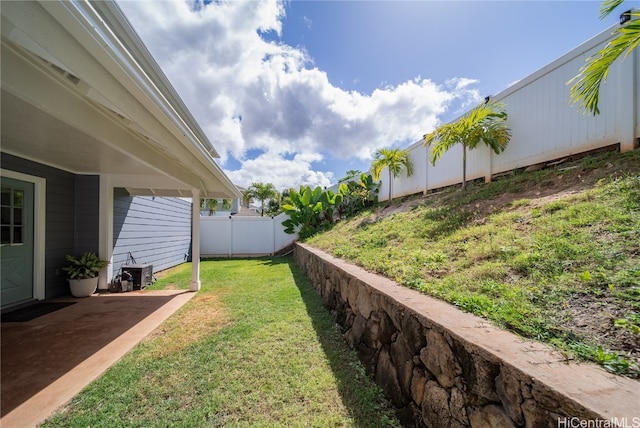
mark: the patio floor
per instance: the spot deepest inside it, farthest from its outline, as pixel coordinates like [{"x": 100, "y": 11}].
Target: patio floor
[{"x": 48, "y": 360}]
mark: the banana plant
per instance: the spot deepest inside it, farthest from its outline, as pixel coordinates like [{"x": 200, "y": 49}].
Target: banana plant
[
  {"x": 331, "y": 201},
  {"x": 305, "y": 211},
  {"x": 309, "y": 209}
]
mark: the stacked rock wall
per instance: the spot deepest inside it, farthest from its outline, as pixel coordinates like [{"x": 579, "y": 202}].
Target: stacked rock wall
[{"x": 444, "y": 368}]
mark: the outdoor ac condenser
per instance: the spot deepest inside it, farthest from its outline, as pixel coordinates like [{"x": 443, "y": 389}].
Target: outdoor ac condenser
[{"x": 142, "y": 274}]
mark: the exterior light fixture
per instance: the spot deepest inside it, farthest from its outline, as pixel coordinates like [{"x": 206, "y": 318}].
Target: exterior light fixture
[{"x": 630, "y": 15}]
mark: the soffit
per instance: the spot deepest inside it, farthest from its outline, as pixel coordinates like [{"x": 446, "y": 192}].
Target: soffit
[{"x": 62, "y": 107}]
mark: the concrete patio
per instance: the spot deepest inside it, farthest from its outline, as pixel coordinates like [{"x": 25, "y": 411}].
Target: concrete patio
[{"x": 48, "y": 360}]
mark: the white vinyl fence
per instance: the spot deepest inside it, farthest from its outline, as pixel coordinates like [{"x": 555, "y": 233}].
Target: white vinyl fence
[
  {"x": 545, "y": 125},
  {"x": 243, "y": 236}
]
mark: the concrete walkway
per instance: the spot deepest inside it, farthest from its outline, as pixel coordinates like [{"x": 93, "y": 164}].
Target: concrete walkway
[{"x": 47, "y": 361}]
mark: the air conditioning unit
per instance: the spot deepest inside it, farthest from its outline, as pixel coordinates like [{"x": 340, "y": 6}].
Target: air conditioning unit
[{"x": 142, "y": 274}]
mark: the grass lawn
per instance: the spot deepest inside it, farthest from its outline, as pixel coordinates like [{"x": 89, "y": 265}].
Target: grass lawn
[
  {"x": 552, "y": 255},
  {"x": 254, "y": 348}
]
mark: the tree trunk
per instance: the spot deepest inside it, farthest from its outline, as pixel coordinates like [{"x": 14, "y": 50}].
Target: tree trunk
[{"x": 464, "y": 167}]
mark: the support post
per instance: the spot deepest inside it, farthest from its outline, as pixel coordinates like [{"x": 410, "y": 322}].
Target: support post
[
  {"x": 105, "y": 238},
  {"x": 195, "y": 241}
]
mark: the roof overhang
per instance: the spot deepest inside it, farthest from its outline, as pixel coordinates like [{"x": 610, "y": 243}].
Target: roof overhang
[{"x": 80, "y": 92}]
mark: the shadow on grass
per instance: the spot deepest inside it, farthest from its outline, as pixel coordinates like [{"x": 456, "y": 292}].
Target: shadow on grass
[
  {"x": 363, "y": 400},
  {"x": 360, "y": 395}
]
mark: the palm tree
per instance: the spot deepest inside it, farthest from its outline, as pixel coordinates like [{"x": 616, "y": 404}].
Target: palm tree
[
  {"x": 352, "y": 173},
  {"x": 586, "y": 85},
  {"x": 262, "y": 192},
  {"x": 247, "y": 199},
  {"x": 486, "y": 123},
  {"x": 395, "y": 160},
  {"x": 227, "y": 204},
  {"x": 210, "y": 204}
]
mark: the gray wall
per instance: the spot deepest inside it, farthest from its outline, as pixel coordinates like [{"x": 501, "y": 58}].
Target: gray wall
[
  {"x": 156, "y": 230},
  {"x": 68, "y": 197},
  {"x": 87, "y": 213}
]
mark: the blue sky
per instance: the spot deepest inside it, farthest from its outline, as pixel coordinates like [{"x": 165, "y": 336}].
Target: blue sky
[{"x": 299, "y": 92}]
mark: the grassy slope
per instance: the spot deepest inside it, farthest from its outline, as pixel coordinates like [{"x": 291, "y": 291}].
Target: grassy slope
[{"x": 552, "y": 254}]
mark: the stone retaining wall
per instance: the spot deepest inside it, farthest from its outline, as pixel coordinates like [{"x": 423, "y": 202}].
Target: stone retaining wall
[{"x": 445, "y": 368}]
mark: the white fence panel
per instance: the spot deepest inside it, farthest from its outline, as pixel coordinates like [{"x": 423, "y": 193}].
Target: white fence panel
[
  {"x": 447, "y": 171},
  {"x": 252, "y": 235},
  {"x": 545, "y": 125},
  {"x": 635, "y": 72},
  {"x": 403, "y": 185},
  {"x": 281, "y": 239},
  {"x": 243, "y": 236},
  {"x": 215, "y": 236}
]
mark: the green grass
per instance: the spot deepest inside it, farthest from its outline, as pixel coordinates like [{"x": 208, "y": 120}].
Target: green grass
[
  {"x": 254, "y": 348},
  {"x": 526, "y": 263}
]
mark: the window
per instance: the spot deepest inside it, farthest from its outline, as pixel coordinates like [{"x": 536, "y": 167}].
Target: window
[{"x": 12, "y": 216}]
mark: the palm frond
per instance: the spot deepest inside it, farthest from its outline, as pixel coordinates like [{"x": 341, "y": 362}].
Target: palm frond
[
  {"x": 440, "y": 141},
  {"x": 608, "y": 6},
  {"x": 394, "y": 159},
  {"x": 486, "y": 123},
  {"x": 378, "y": 164},
  {"x": 585, "y": 90}
]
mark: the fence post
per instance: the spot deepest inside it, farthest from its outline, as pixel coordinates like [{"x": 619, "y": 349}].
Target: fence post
[
  {"x": 273, "y": 235},
  {"x": 628, "y": 95},
  {"x": 489, "y": 167},
  {"x": 230, "y": 236}
]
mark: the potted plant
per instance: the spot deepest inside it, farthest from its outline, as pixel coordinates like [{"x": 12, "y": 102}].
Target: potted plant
[{"x": 83, "y": 273}]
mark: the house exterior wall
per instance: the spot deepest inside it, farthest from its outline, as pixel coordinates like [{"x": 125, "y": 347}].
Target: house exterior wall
[
  {"x": 87, "y": 214},
  {"x": 60, "y": 218},
  {"x": 156, "y": 230}
]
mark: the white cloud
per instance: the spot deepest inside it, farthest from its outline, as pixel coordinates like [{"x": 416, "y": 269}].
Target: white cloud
[
  {"x": 272, "y": 167},
  {"x": 250, "y": 94},
  {"x": 308, "y": 22}
]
